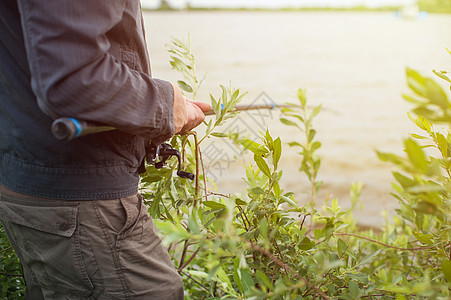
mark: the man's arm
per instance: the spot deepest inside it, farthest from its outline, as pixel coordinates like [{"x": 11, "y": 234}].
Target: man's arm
[{"x": 74, "y": 75}]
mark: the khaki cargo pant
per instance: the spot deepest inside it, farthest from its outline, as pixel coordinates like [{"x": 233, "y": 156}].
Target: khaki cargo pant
[{"x": 88, "y": 249}]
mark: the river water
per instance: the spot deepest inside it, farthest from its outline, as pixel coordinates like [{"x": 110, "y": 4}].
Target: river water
[{"x": 351, "y": 63}]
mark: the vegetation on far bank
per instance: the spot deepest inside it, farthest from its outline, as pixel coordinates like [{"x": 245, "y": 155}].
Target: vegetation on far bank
[{"x": 428, "y": 6}]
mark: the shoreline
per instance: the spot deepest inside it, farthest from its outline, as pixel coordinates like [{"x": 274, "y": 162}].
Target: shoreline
[{"x": 387, "y": 9}]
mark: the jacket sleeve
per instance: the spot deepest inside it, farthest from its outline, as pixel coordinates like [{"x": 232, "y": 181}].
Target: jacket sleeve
[{"x": 73, "y": 75}]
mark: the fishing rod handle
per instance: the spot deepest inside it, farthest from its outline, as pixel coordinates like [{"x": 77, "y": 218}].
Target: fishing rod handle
[{"x": 66, "y": 129}]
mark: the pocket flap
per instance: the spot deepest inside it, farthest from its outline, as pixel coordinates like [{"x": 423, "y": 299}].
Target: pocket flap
[{"x": 55, "y": 218}]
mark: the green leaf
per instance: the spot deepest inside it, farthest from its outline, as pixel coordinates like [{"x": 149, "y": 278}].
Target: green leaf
[
  {"x": 302, "y": 97},
  {"x": 247, "y": 281},
  {"x": 263, "y": 228},
  {"x": 276, "y": 189},
  {"x": 389, "y": 157},
  {"x": 223, "y": 276},
  {"x": 416, "y": 82},
  {"x": 416, "y": 155},
  {"x": 218, "y": 134},
  {"x": 172, "y": 232},
  {"x": 426, "y": 208},
  {"x": 443, "y": 144},
  {"x": 414, "y": 100},
  {"x": 253, "y": 146},
  {"x": 155, "y": 175},
  {"x": 446, "y": 269},
  {"x": 199, "y": 274},
  {"x": 178, "y": 64},
  {"x": 423, "y": 238},
  {"x": 354, "y": 290},
  {"x": 277, "y": 151},
  {"x": 342, "y": 246},
  {"x": 314, "y": 113},
  {"x": 288, "y": 200},
  {"x": 215, "y": 105},
  {"x": 369, "y": 257},
  {"x": 236, "y": 273},
  {"x": 262, "y": 165},
  {"x": 214, "y": 205},
  {"x": 263, "y": 279},
  {"x": 294, "y": 144},
  {"x": 224, "y": 96},
  {"x": 417, "y": 136},
  {"x": 421, "y": 122},
  {"x": 299, "y": 117},
  {"x": 311, "y": 135},
  {"x": 268, "y": 138},
  {"x": 315, "y": 146},
  {"x": 404, "y": 181},
  {"x": 258, "y": 191},
  {"x": 238, "y": 201},
  {"x": 288, "y": 122},
  {"x": 185, "y": 86},
  {"x": 436, "y": 94},
  {"x": 193, "y": 225},
  {"x": 306, "y": 244},
  {"x": 360, "y": 277},
  {"x": 442, "y": 75}
]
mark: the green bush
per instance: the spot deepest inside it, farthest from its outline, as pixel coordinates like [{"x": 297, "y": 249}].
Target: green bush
[
  {"x": 260, "y": 244},
  {"x": 11, "y": 278},
  {"x": 435, "y": 6}
]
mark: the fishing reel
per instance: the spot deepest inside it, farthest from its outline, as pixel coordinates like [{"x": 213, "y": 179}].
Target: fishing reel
[{"x": 158, "y": 155}]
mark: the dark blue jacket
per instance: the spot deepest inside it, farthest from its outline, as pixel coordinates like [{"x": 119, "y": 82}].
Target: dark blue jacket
[{"x": 85, "y": 59}]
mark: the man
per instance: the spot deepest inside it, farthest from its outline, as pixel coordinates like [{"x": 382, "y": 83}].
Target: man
[{"x": 71, "y": 209}]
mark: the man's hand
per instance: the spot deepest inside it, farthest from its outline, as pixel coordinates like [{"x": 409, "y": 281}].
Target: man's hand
[{"x": 188, "y": 114}]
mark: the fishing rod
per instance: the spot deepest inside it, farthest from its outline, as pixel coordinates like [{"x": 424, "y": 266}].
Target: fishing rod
[{"x": 66, "y": 129}]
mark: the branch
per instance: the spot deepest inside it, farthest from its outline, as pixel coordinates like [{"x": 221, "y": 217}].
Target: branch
[
  {"x": 387, "y": 245},
  {"x": 182, "y": 259},
  {"x": 203, "y": 172},
  {"x": 180, "y": 269},
  {"x": 288, "y": 268},
  {"x": 11, "y": 274},
  {"x": 327, "y": 273},
  {"x": 218, "y": 194},
  {"x": 200, "y": 284}
]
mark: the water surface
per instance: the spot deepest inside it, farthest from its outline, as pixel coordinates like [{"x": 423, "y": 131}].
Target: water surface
[{"x": 352, "y": 63}]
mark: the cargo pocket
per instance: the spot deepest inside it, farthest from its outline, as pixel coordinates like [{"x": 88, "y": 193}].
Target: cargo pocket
[
  {"x": 133, "y": 228},
  {"x": 45, "y": 233}
]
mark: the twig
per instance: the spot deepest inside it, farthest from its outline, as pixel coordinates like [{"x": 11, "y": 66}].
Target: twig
[
  {"x": 378, "y": 295},
  {"x": 245, "y": 218},
  {"x": 6, "y": 249},
  {"x": 327, "y": 273},
  {"x": 302, "y": 223},
  {"x": 196, "y": 155},
  {"x": 196, "y": 151},
  {"x": 182, "y": 259},
  {"x": 203, "y": 172},
  {"x": 449, "y": 243},
  {"x": 288, "y": 268},
  {"x": 200, "y": 284},
  {"x": 11, "y": 274},
  {"x": 218, "y": 194},
  {"x": 276, "y": 244},
  {"x": 387, "y": 245},
  {"x": 242, "y": 218},
  {"x": 180, "y": 269}
]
